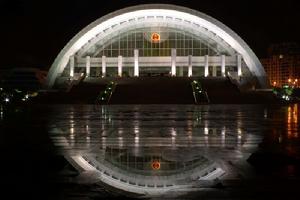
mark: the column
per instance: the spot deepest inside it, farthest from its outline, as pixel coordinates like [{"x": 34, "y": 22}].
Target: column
[
  {"x": 239, "y": 65},
  {"x": 88, "y": 65},
  {"x": 206, "y": 66},
  {"x": 173, "y": 62},
  {"x": 223, "y": 65},
  {"x": 214, "y": 71},
  {"x": 120, "y": 66},
  {"x": 72, "y": 63},
  {"x": 190, "y": 69},
  {"x": 136, "y": 62},
  {"x": 103, "y": 66}
]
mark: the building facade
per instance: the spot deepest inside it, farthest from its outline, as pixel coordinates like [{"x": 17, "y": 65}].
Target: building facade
[{"x": 156, "y": 39}]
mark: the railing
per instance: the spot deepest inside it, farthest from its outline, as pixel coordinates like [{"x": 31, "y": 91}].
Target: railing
[
  {"x": 233, "y": 78},
  {"x": 105, "y": 95},
  {"x": 243, "y": 83},
  {"x": 200, "y": 96}
]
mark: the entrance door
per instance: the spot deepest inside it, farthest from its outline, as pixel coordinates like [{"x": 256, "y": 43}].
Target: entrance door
[{"x": 155, "y": 71}]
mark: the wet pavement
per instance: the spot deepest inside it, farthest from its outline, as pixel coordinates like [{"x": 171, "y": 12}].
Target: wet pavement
[{"x": 152, "y": 151}]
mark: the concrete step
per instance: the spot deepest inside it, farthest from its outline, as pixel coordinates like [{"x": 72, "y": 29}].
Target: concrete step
[{"x": 153, "y": 90}]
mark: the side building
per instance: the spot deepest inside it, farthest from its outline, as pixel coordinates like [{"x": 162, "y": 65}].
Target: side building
[{"x": 283, "y": 64}]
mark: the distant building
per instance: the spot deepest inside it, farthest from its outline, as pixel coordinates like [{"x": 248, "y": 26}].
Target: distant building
[
  {"x": 24, "y": 78},
  {"x": 283, "y": 64}
]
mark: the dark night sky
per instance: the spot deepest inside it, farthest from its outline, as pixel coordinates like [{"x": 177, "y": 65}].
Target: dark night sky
[{"x": 33, "y": 32}]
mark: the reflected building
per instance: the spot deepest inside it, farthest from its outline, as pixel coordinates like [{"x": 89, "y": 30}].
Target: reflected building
[
  {"x": 150, "y": 172},
  {"x": 162, "y": 157}
]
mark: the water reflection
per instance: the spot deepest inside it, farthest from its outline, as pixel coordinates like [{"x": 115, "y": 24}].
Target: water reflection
[
  {"x": 292, "y": 121},
  {"x": 1, "y": 112},
  {"x": 154, "y": 149}
]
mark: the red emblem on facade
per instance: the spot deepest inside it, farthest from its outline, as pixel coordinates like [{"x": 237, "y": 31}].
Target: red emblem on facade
[
  {"x": 155, "y": 165},
  {"x": 155, "y": 37}
]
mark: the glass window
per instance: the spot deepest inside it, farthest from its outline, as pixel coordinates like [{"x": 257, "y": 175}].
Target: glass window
[{"x": 185, "y": 43}]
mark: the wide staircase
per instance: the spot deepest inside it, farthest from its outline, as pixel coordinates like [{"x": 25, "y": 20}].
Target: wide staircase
[
  {"x": 220, "y": 90},
  {"x": 157, "y": 90},
  {"x": 153, "y": 90}
]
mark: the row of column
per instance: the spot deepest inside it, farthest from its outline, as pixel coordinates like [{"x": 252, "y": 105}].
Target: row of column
[{"x": 173, "y": 65}]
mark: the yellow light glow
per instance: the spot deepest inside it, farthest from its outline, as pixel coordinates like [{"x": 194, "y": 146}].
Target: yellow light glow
[{"x": 292, "y": 122}]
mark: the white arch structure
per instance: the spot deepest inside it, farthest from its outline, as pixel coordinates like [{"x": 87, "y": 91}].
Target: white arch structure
[{"x": 131, "y": 17}]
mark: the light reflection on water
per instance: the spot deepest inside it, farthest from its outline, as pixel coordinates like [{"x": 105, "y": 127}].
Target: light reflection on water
[
  {"x": 121, "y": 122},
  {"x": 292, "y": 121},
  {"x": 113, "y": 139}
]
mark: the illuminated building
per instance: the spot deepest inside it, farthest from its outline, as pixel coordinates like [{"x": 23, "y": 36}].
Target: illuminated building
[
  {"x": 283, "y": 65},
  {"x": 156, "y": 39}
]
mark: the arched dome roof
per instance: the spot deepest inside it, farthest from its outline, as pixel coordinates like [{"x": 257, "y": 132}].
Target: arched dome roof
[{"x": 190, "y": 19}]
